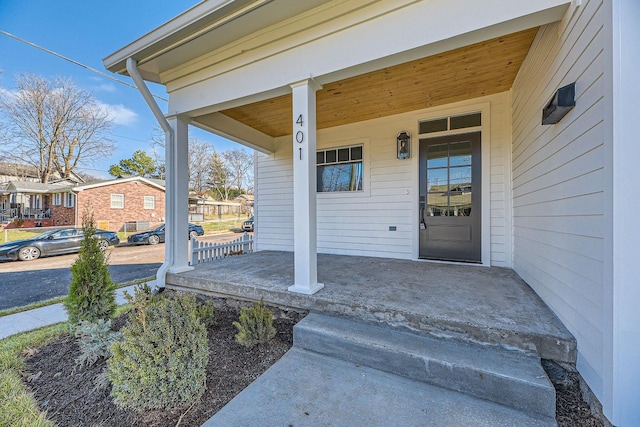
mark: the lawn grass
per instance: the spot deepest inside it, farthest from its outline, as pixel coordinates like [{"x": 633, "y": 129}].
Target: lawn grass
[
  {"x": 13, "y": 234},
  {"x": 222, "y": 226},
  {"x": 17, "y": 406}
]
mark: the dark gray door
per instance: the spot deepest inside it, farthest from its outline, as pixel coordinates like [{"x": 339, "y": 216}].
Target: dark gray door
[{"x": 450, "y": 198}]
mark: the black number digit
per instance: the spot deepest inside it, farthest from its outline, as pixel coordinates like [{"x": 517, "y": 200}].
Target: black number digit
[
  {"x": 299, "y": 136},
  {"x": 299, "y": 120}
]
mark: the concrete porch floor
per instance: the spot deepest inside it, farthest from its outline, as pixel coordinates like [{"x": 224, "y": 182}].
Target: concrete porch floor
[{"x": 489, "y": 305}]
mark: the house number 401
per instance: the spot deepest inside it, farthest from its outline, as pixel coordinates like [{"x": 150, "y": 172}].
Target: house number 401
[{"x": 299, "y": 134}]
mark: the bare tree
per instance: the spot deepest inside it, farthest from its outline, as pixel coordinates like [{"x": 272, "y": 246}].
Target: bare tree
[
  {"x": 199, "y": 159},
  {"x": 240, "y": 166},
  {"x": 157, "y": 152},
  {"x": 54, "y": 126},
  {"x": 199, "y": 162}
]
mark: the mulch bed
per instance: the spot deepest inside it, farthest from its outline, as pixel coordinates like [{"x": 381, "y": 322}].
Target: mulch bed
[{"x": 69, "y": 396}]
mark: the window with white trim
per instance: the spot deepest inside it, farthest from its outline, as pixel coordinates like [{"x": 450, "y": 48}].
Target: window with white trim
[
  {"x": 149, "y": 202},
  {"x": 117, "y": 201},
  {"x": 69, "y": 200},
  {"x": 57, "y": 199},
  {"x": 339, "y": 169}
]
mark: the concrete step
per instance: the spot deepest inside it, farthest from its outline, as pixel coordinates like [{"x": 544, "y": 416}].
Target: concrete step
[
  {"x": 308, "y": 389},
  {"x": 510, "y": 378}
]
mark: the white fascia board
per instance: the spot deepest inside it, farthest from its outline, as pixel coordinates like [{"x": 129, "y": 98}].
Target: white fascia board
[
  {"x": 164, "y": 36},
  {"x": 118, "y": 181},
  {"x": 378, "y": 37}
]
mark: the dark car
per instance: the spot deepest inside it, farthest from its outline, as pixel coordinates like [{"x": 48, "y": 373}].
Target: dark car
[
  {"x": 248, "y": 225},
  {"x": 155, "y": 236},
  {"x": 54, "y": 242}
]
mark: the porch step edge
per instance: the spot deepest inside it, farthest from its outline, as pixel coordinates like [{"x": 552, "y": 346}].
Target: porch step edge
[{"x": 509, "y": 378}]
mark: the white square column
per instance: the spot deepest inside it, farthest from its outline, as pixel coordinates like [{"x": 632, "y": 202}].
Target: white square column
[
  {"x": 304, "y": 188},
  {"x": 177, "y": 197}
]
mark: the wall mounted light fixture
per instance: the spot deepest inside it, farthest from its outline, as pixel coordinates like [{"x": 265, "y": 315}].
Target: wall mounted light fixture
[
  {"x": 562, "y": 102},
  {"x": 404, "y": 145}
]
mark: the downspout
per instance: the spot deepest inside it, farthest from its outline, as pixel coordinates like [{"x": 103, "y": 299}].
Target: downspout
[{"x": 132, "y": 69}]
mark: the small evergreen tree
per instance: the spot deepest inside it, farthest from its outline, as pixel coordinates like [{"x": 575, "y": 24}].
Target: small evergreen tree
[
  {"x": 160, "y": 363},
  {"x": 92, "y": 292},
  {"x": 255, "y": 325}
]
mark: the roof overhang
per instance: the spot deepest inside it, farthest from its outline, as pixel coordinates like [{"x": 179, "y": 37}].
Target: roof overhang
[
  {"x": 119, "y": 181},
  {"x": 201, "y": 29}
]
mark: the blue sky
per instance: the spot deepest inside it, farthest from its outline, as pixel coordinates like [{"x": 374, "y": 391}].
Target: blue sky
[{"x": 87, "y": 31}]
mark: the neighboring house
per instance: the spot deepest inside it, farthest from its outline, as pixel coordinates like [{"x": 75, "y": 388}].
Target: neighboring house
[
  {"x": 360, "y": 112},
  {"x": 138, "y": 203},
  {"x": 23, "y": 195},
  {"x": 37, "y": 201},
  {"x": 207, "y": 205},
  {"x": 247, "y": 202}
]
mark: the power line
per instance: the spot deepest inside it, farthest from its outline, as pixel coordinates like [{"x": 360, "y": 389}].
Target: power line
[{"x": 73, "y": 61}]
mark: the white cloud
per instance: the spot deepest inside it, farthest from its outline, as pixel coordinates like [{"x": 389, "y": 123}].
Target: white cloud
[
  {"x": 8, "y": 93},
  {"x": 119, "y": 114},
  {"x": 105, "y": 87}
]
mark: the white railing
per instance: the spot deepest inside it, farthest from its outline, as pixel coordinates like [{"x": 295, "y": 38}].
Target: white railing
[
  {"x": 206, "y": 252},
  {"x": 7, "y": 215}
]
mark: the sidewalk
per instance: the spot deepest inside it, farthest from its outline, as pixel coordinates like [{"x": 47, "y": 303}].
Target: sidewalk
[{"x": 48, "y": 315}]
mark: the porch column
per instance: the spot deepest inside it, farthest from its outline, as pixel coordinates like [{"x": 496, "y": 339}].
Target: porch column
[
  {"x": 177, "y": 197},
  {"x": 304, "y": 188}
]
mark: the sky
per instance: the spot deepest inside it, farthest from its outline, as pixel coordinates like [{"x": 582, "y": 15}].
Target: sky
[{"x": 87, "y": 31}]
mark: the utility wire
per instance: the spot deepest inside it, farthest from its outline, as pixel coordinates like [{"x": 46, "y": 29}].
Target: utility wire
[{"x": 93, "y": 70}]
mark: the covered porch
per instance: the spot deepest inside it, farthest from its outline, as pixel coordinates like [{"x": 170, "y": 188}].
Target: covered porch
[{"x": 487, "y": 305}]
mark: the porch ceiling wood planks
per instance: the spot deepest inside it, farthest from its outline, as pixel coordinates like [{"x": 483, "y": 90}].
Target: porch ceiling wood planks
[{"x": 480, "y": 69}]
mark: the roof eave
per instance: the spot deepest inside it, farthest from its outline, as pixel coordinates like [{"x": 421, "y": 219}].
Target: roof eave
[{"x": 172, "y": 33}]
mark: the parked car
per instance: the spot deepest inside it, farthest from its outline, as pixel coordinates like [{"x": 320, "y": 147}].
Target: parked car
[
  {"x": 155, "y": 236},
  {"x": 54, "y": 242},
  {"x": 248, "y": 224}
]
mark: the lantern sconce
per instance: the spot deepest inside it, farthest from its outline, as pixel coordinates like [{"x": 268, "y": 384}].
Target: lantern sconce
[
  {"x": 561, "y": 103},
  {"x": 404, "y": 145}
]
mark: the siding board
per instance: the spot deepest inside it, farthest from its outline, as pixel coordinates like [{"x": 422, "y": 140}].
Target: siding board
[{"x": 558, "y": 179}]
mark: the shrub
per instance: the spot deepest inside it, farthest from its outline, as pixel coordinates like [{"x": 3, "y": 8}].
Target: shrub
[
  {"x": 160, "y": 362},
  {"x": 95, "y": 340},
  {"x": 255, "y": 326},
  {"x": 92, "y": 292}
]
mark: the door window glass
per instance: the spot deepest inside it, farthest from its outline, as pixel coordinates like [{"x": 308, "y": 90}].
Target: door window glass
[{"x": 449, "y": 179}]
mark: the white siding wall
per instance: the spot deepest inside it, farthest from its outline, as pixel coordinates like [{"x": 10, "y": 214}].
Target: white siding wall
[
  {"x": 559, "y": 182},
  {"x": 358, "y": 224}
]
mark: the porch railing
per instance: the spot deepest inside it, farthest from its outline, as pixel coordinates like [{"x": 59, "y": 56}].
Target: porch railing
[
  {"x": 202, "y": 252},
  {"x": 7, "y": 215}
]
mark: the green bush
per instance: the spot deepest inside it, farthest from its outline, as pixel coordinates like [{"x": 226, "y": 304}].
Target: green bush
[
  {"x": 161, "y": 361},
  {"x": 255, "y": 326},
  {"x": 92, "y": 292},
  {"x": 95, "y": 340}
]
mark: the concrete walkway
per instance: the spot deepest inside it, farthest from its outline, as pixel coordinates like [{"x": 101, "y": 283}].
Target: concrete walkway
[
  {"x": 307, "y": 389},
  {"x": 45, "y": 316}
]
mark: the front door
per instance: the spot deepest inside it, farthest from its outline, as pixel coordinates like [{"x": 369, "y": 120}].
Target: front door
[{"x": 449, "y": 211}]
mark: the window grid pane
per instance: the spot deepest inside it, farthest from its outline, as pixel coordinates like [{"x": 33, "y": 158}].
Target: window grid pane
[
  {"x": 117, "y": 201},
  {"x": 149, "y": 202},
  {"x": 339, "y": 169}
]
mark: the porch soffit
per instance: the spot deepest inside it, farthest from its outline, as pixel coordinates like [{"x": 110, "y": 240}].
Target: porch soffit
[{"x": 472, "y": 71}]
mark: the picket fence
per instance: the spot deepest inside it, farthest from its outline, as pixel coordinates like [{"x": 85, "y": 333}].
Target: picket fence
[{"x": 202, "y": 252}]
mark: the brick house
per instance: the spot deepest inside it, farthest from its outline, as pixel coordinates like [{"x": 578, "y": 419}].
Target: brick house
[
  {"x": 116, "y": 202},
  {"x": 136, "y": 201}
]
